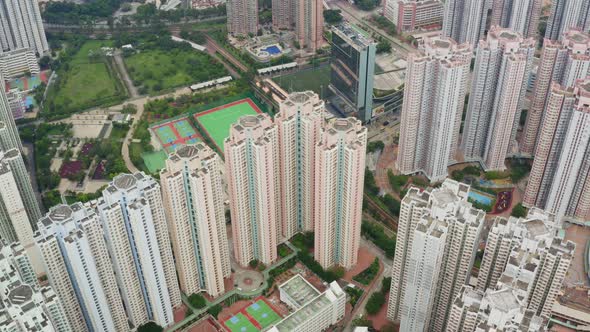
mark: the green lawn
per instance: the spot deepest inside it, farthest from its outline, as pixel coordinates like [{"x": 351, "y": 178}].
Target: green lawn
[
  {"x": 84, "y": 82},
  {"x": 156, "y": 70},
  {"x": 263, "y": 314},
  {"x": 217, "y": 123},
  {"x": 316, "y": 79}
]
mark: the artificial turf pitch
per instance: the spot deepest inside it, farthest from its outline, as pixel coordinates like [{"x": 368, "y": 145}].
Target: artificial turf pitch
[
  {"x": 263, "y": 314},
  {"x": 240, "y": 323},
  {"x": 217, "y": 121}
]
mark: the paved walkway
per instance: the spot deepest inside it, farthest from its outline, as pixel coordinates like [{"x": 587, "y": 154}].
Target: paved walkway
[{"x": 120, "y": 65}]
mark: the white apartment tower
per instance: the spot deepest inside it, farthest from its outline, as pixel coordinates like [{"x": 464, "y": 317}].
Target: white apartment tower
[
  {"x": 494, "y": 310},
  {"x": 74, "y": 251},
  {"x": 19, "y": 209},
  {"x": 436, "y": 84},
  {"x": 136, "y": 232},
  {"x": 424, "y": 267},
  {"x": 21, "y": 26},
  {"x": 252, "y": 163},
  {"x": 26, "y": 306},
  {"x": 299, "y": 123},
  {"x": 531, "y": 259},
  {"x": 461, "y": 225},
  {"x": 560, "y": 180},
  {"x": 562, "y": 62},
  {"x": 8, "y": 132},
  {"x": 192, "y": 192},
  {"x": 339, "y": 169},
  {"x": 567, "y": 14},
  {"x": 520, "y": 16},
  {"x": 242, "y": 17},
  {"x": 498, "y": 86},
  {"x": 465, "y": 20}
]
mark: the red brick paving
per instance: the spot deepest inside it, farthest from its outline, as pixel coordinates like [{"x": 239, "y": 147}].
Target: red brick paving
[
  {"x": 380, "y": 319},
  {"x": 208, "y": 325},
  {"x": 364, "y": 259}
]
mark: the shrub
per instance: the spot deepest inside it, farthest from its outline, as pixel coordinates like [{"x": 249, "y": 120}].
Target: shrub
[
  {"x": 368, "y": 274},
  {"x": 519, "y": 211},
  {"x": 197, "y": 301},
  {"x": 375, "y": 303},
  {"x": 376, "y": 234}
]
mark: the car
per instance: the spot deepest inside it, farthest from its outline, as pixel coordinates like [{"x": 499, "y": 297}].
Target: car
[{"x": 386, "y": 123}]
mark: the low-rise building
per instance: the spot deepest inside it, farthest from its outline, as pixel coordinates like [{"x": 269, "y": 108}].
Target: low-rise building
[
  {"x": 18, "y": 62},
  {"x": 314, "y": 311}
]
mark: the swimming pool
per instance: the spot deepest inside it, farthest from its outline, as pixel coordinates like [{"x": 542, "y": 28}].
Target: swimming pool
[
  {"x": 480, "y": 198},
  {"x": 272, "y": 50}
]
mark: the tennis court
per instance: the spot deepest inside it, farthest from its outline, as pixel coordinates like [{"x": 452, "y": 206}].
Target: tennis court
[
  {"x": 175, "y": 133},
  {"x": 263, "y": 314},
  {"x": 240, "y": 323},
  {"x": 217, "y": 121}
]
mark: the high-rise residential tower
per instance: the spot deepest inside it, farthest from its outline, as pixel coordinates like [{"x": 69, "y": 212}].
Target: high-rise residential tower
[
  {"x": 353, "y": 68},
  {"x": 8, "y": 131},
  {"x": 434, "y": 94},
  {"x": 252, "y": 162},
  {"x": 502, "y": 64},
  {"x": 521, "y": 16},
  {"x": 192, "y": 192},
  {"x": 283, "y": 14},
  {"x": 567, "y": 14},
  {"x": 339, "y": 169},
  {"x": 465, "y": 20},
  {"x": 19, "y": 209},
  {"x": 423, "y": 288},
  {"x": 242, "y": 17},
  {"x": 560, "y": 181},
  {"x": 562, "y": 62},
  {"x": 74, "y": 251},
  {"x": 299, "y": 123},
  {"x": 21, "y": 26},
  {"x": 25, "y": 305},
  {"x": 309, "y": 23},
  {"x": 136, "y": 233}
]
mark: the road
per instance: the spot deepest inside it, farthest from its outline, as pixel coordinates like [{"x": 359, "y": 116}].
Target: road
[
  {"x": 118, "y": 59},
  {"x": 356, "y": 16}
]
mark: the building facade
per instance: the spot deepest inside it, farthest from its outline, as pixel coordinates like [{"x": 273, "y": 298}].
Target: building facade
[
  {"x": 79, "y": 269},
  {"x": 502, "y": 64},
  {"x": 565, "y": 15},
  {"x": 434, "y": 94},
  {"x": 16, "y": 103},
  {"x": 18, "y": 62},
  {"x": 25, "y": 305},
  {"x": 353, "y": 67},
  {"x": 242, "y": 17},
  {"x": 10, "y": 137},
  {"x": 136, "y": 233},
  {"x": 423, "y": 286},
  {"x": 559, "y": 179},
  {"x": 562, "y": 62},
  {"x": 283, "y": 14},
  {"x": 410, "y": 15},
  {"x": 192, "y": 193},
  {"x": 465, "y": 20},
  {"x": 299, "y": 123},
  {"x": 22, "y": 27},
  {"x": 309, "y": 24},
  {"x": 339, "y": 169},
  {"x": 520, "y": 16},
  {"x": 252, "y": 162}
]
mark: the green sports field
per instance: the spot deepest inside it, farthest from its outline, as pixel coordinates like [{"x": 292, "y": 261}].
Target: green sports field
[
  {"x": 263, "y": 314},
  {"x": 217, "y": 121},
  {"x": 240, "y": 323},
  {"x": 154, "y": 161}
]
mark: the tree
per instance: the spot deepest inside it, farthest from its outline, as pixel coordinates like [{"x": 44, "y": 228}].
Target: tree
[
  {"x": 333, "y": 16},
  {"x": 367, "y": 4},
  {"x": 197, "y": 301},
  {"x": 150, "y": 327},
  {"x": 383, "y": 46},
  {"x": 519, "y": 211},
  {"x": 375, "y": 303},
  {"x": 215, "y": 310}
]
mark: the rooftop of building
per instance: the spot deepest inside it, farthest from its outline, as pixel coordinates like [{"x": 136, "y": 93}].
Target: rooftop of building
[
  {"x": 354, "y": 35},
  {"x": 311, "y": 308},
  {"x": 299, "y": 290},
  {"x": 503, "y": 300}
]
